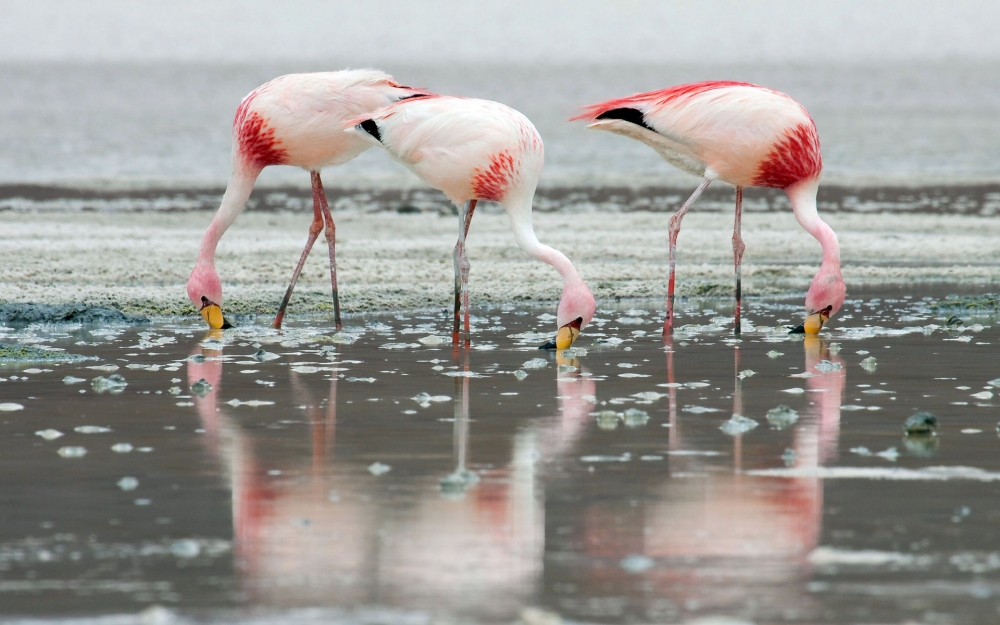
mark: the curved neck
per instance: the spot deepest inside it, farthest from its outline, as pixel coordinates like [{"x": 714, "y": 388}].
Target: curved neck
[
  {"x": 803, "y": 197},
  {"x": 519, "y": 212},
  {"x": 237, "y": 193}
]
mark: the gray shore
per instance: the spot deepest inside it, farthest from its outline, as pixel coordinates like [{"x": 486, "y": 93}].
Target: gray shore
[{"x": 138, "y": 261}]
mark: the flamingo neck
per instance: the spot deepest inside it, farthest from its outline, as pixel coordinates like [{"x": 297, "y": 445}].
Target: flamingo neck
[
  {"x": 524, "y": 234},
  {"x": 237, "y": 193},
  {"x": 803, "y": 197}
]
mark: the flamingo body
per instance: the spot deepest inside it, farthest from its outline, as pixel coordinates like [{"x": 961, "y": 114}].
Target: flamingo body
[
  {"x": 296, "y": 119},
  {"x": 745, "y": 135},
  {"x": 292, "y": 120},
  {"x": 469, "y": 149},
  {"x": 474, "y": 150},
  {"x": 742, "y": 134}
]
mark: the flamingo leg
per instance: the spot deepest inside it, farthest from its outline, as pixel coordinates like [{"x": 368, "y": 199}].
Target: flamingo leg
[
  {"x": 675, "y": 228},
  {"x": 331, "y": 241},
  {"x": 462, "y": 275},
  {"x": 738, "y": 248},
  {"x": 314, "y": 230}
]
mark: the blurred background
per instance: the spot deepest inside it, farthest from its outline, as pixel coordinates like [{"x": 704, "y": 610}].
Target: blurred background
[{"x": 143, "y": 93}]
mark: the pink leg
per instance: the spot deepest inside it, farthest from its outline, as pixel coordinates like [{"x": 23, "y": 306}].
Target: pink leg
[
  {"x": 462, "y": 276},
  {"x": 314, "y": 230},
  {"x": 675, "y": 228},
  {"x": 738, "y": 248},
  {"x": 331, "y": 240}
]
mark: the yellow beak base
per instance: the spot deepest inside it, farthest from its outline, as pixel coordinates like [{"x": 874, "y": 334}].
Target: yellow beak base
[
  {"x": 212, "y": 313},
  {"x": 567, "y": 334},
  {"x": 814, "y": 323}
]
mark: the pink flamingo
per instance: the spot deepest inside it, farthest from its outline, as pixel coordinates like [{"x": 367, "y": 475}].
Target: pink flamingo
[
  {"x": 479, "y": 150},
  {"x": 747, "y": 136},
  {"x": 291, "y": 120}
]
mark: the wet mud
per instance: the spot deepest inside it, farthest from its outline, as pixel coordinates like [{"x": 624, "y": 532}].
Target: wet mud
[
  {"x": 379, "y": 475},
  {"x": 27, "y": 313}
]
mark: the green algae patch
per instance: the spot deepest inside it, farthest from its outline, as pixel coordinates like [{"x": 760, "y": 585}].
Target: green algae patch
[
  {"x": 13, "y": 354},
  {"x": 20, "y": 313},
  {"x": 986, "y": 302}
]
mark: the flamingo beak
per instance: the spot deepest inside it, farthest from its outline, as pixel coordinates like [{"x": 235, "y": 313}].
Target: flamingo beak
[
  {"x": 566, "y": 335},
  {"x": 212, "y": 314},
  {"x": 814, "y": 322}
]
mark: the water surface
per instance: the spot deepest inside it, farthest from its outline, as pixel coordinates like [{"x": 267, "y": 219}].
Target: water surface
[{"x": 379, "y": 475}]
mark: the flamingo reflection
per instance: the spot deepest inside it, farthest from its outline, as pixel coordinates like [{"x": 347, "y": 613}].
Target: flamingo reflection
[
  {"x": 326, "y": 532},
  {"x": 713, "y": 538}
]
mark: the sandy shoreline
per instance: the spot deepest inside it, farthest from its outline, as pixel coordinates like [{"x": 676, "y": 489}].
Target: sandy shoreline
[{"x": 139, "y": 261}]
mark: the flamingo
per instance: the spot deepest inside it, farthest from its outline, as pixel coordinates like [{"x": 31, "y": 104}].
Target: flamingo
[
  {"x": 478, "y": 150},
  {"x": 292, "y": 120},
  {"x": 747, "y": 136}
]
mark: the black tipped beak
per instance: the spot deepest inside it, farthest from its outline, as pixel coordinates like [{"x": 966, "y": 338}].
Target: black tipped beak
[
  {"x": 550, "y": 344},
  {"x": 799, "y": 330},
  {"x": 225, "y": 324}
]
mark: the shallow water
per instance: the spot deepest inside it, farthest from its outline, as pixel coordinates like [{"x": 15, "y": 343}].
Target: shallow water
[
  {"x": 70, "y": 123},
  {"x": 375, "y": 477}
]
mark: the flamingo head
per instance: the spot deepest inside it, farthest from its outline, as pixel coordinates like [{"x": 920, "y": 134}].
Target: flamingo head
[
  {"x": 576, "y": 309},
  {"x": 825, "y": 297},
  {"x": 205, "y": 292}
]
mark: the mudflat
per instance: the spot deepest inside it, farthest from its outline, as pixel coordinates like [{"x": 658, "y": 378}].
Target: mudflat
[{"x": 394, "y": 251}]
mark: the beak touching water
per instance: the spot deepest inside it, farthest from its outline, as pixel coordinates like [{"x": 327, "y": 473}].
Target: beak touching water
[
  {"x": 566, "y": 335},
  {"x": 212, "y": 313},
  {"x": 814, "y": 322}
]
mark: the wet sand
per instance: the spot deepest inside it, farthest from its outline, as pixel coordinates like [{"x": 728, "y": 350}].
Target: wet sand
[
  {"x": 257, "y": 476},
  {"x": 135, "y": 255}
]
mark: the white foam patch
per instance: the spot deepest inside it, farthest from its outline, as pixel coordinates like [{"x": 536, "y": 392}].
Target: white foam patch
[{"x": 928, "y": 474}]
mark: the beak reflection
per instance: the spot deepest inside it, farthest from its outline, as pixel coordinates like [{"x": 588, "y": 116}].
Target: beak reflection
[{"x": 212, "y": 314}]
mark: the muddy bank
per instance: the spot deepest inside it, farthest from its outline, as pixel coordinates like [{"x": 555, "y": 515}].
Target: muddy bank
[
  {"x": 944, "y": 199},
  {"x": 138, "y": 263},
  {"x": 25, "y": 313}
]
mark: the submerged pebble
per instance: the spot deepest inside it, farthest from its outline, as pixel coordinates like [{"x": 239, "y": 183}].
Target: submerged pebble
[
  {"x": 535, "y": 363},
  {"x": 434, "y": 339},
  {"x": 91, "y": 429},
  {"x": 49, "y": 435},
  {"x": 113, "y": 384},
  {"x": 72, "y": 452},
  {"x": 634, "y": 418},
  {"x": 185, "y": 548},
  {"x": 789, "y": 457},
  {"x": 261, "y": 355},
  {"x": 607, "y": 419},
  {"x": 10, "y": 407},
  {"x": 921, "y": 423},
  {"x": 738, "y": 424},
  {"x": 377, "y": 468},
  {"x": 425, "y": 399},
  {"x": 780, "y": 417},
  {"x": 128, "y": 483},
  {"x": 869, "y": 364},
  {"x": 824, "y": 366},
  {"x": 201, "y": 388},
  {"x": 636, "y": 564}
]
